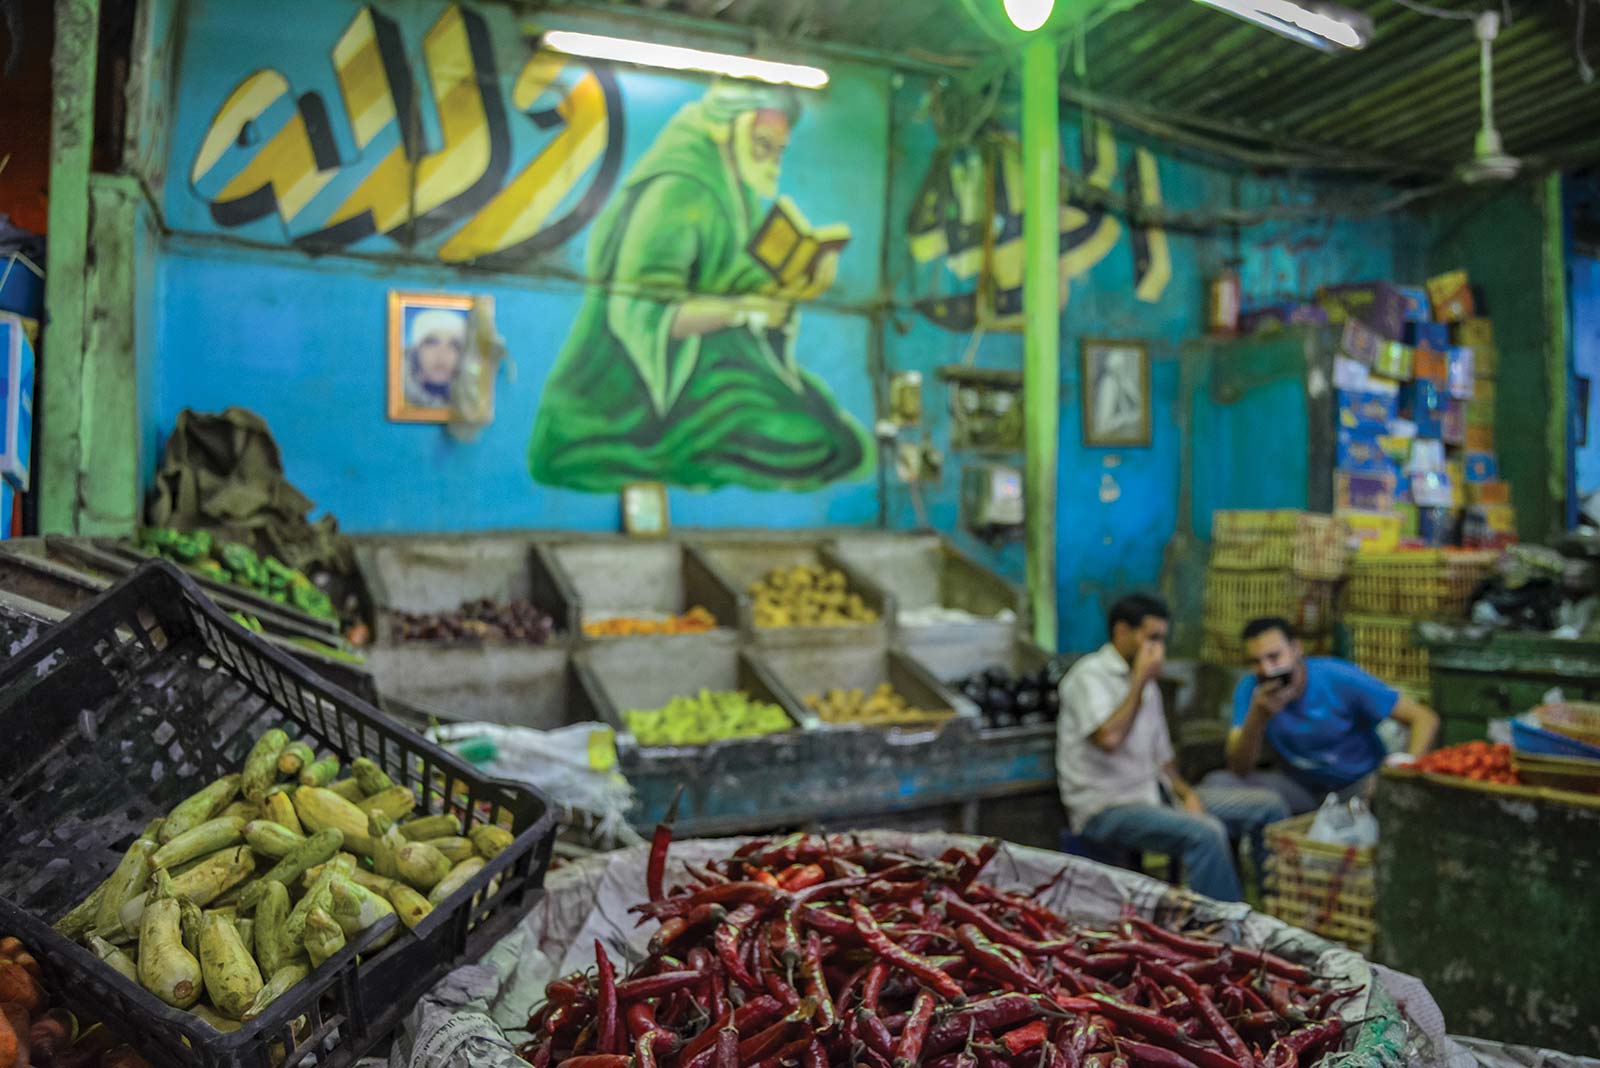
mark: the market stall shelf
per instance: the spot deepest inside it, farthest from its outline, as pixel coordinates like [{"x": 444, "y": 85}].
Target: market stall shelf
[
  {"x": 496, "y": 680},
  {"x": 149, "y": 693},
  {"x": 748, "y": 564},
  {"x": 726, "y": 780},
  {"x": 1486, "y": 894},
  {"x": 643, "y": 590},
  {"x": 945, "y": 602}
]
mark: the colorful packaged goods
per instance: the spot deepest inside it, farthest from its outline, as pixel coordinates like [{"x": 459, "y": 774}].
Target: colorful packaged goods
[
  {"x": 1433, "y": 335},
  {"x": 1430, "y": 365},
  {"x": 1360, "y": 343},
  {"x": 1479, "y": 438},
  {"x": 1475, "y": 333},
  {"x": 1375, "y": 304},
  {"x": 1481, "y": 467},
  {"x": 1453, "y": 424},
  {"x": 1451, "y": 296},
  {"x": 1463, "y": 372},
  {"x": 1394, "y": 361},
  {"x": 1370, "y": 410},
  {"x": 1492, "y": 491},
  {"x": 1417, "y": 307},
  {"x": 1373, "y": 531},
  {"x": 1360, "y": 454},
  {"x": 1363, "y": 493}
]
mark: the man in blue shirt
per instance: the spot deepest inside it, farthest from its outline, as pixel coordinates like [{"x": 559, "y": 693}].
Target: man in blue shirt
[{"x": 1319, "y": 716}]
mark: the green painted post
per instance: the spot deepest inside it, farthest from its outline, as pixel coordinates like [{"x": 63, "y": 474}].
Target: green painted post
[
  {"x": 1041, "y": 309},
  {"x": 1556, "y": 356},
  {"x": 61, "y": 377}
]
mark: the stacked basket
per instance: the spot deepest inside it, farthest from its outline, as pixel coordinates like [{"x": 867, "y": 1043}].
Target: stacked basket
[
  {"x": 1390, "y": 592},
  {"x": 1271, "y": 563}
]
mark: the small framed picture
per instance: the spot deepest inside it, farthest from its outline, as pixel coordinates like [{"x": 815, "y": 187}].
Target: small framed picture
[
  {"x": 1115, "y": 383},
  {"x": 427, "y": 340},
  {"x": 644, "y": 509}
]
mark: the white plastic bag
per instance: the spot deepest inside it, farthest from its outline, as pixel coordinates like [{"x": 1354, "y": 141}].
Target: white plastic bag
[
  {"x": 575, "y": 766},
  {"x": 1345, "y": 823}
]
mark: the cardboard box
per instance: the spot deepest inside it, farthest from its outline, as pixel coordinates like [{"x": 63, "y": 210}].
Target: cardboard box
[
  {"x": 1433, "y": 335},
  {"x": 1360, "y": 343},
  {"x": 1481, "y": 467},
  {"x": 1394, "y": 361},
  {"x": 1377, "y": 305},
  {"x": 1451, "y": 296},
  {"x": 1367, "y": 410},
  {"x": 16, "y": 401},
  {"x": 1492, "y": 492},
  {"x": 1461, "y": 378},
  {"x": 1278, "y": 316},
  {"x": 1430, "y": 365},
  {"x": 1453, "y": 424},
  {"x": 1480, "y": 438},
  {"x": 1474, "y": 333},
  {"x": 1498, "y": 518},
  {"x": 1418, "y": 309},
  {"x": 1361, "y": 454},
  {"x": 1377, "y": 532},
  {"x": 1365, "y": 493}
]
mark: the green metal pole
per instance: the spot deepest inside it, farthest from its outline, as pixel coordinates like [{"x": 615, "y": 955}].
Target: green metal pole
[
  {"x": 61, "y": 377},
  {"x": 1041, "y": 309}
]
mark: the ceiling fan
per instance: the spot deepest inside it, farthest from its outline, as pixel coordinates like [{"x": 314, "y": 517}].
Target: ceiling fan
[{"x": 1489, "y": 162}]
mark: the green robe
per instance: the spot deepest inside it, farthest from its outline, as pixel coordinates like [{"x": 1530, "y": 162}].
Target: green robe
[{"x": 626, "y": 402}]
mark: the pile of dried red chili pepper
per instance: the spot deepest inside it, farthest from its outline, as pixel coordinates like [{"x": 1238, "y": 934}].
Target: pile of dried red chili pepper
[{"x": 824, "y": 952}]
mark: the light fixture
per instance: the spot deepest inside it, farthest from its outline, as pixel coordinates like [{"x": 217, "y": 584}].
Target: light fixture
[
  {"x": 1322, "y": 26},
  {"x": 645, "y": 53},
  {"x": 1029, "y": 15}
]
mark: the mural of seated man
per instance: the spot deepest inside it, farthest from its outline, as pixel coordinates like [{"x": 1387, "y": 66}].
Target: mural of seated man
[{"x": 681, "y": 366}]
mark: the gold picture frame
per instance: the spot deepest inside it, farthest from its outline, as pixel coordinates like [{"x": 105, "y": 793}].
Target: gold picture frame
[
  {"x": 1114, "y": 383},
  {"x": 644, "y": 510},
  {"x": 421, "y": 333}
]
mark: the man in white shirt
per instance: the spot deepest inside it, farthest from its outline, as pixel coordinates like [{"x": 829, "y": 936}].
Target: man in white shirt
[{"x": 1114, "y": 759}]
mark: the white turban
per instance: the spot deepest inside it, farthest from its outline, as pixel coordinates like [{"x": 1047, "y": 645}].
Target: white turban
[{"x": 437, "y": 322}]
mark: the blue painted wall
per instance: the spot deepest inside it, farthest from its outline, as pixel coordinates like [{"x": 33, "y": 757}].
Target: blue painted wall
[
  {"x": 1117, "y": 509},
  {"x": 246, "y": 318},
  {"x": 1583, "y": 295}
]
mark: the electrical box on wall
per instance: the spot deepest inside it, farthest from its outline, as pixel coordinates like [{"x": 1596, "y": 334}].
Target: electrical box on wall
[
  {"x": 991, "y": 498},
  {"x": 985, "y": 408}
]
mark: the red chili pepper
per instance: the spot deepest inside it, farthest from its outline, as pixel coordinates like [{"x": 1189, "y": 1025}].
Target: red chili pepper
[
  {"x": 727, "y": 1047},
  {"x": 788, "y": 1054},
  {"x": 785, "y": 938},
  {"x": 757, "y": 1012},
  {"x": 656, "y": 870},
  {"x": 880, "y": 944},
  {"x": 1333, "y": 997},
  {"x": 872, "y": 986},
  {"x": 1162, "y": 1030},
  {"x": 986, "y": 956},
  {"x": 645, "y": 1048},
  {"x": 705, "y": 876},
  {"x": 996, "y": 1013},
  {"x": 873, "y": 1033},
  {"x": 1304, "y": 1041},
  {"x": 608, "y": 1025},
  {"x": 1030, "y": 1035},
  {"x": 815, "y": 1056},
  {"x": 779, "y": 988},
  {"x": 597, "y": 1060},
  {"x": 816, "y": 984},
  {"x": 1148, "y": 1056},
  {"x": 908, "y": 1049},
  {"x": 1104, "y": 964},
  {"x": 641, "y": 1018},
  {"x": 1219, "y": 1027},
  {"x": 800, "y": 876},
  {"x": 760, "y": 875},
  {"x": 655, "y": 986},
  {"x": 1207, "y": 948},
  {"x": 762, "y": 1044},
  {"x": 828, "y": 923},
  {"x": 676, "y": 927},
  {"x": 726, "y": 941},
  {"x": 968, "y": 871},
  {"x": 731, "y": 893}
]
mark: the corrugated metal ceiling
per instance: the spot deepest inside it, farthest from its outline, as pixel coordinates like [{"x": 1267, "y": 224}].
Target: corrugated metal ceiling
[{"x": 1408, "y": 103}]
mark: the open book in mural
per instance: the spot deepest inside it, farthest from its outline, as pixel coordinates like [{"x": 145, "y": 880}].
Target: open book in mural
[{"x": 684, "y": 365}]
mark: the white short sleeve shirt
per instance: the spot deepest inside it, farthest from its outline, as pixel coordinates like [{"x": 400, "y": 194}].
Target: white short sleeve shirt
[{"x": 1092, "y": 779}]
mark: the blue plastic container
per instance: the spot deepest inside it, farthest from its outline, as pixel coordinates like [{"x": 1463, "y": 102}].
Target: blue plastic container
[{"x": 1526, "y": 738}]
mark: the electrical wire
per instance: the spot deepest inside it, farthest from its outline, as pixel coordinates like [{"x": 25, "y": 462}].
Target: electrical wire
[
  {"x": 1439, "y": 12},
  {"x": 1585, "y": 71}
]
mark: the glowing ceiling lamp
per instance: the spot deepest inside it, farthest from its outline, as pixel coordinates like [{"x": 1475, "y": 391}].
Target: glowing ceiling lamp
[
  {"x": 1029, "y": 15},
  {"x": 644, "y": 53},
  {"x": 1322, "y": 26}
]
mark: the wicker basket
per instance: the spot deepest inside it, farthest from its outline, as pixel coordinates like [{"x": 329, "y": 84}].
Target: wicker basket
[
  {"x": 1417, "y": 584},
  {"x": 1325, "y": 889},
  {"x": 1227, "y": 650},
  {"x": 1234, "y": 598},
  {"x": 1578, "y": 720},
  {"x": 1322, "y": 547},
  {"x": 1387, "y": 648}
]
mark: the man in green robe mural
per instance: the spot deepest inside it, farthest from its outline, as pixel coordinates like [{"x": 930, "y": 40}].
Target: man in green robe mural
[{"x": 681, "y": 366}]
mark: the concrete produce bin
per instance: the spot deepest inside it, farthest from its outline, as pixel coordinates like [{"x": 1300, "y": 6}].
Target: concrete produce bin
[
  {"x": 924, "y": 574},
  {"x": 507, "y": 682},
  {"x": 740, "y": 564},
  {"x": 615, "y": 577},
  {"x": 806, "y": 670},
  {"x": 723, "y": 780}
]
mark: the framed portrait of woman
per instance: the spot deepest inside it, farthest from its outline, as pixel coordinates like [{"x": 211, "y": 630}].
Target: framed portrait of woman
[
  {"x": 427, "y": 341},
  {"x": 1115, "y": 384}
]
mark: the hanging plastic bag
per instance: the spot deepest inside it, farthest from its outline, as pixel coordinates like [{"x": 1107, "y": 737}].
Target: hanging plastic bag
[{"x": 472, "y": 391}]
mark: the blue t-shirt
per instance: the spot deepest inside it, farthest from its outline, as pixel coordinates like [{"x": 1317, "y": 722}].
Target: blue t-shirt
[{"x": 1328, "y": 738}]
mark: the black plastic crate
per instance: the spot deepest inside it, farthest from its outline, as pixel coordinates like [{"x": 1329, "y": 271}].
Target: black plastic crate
[{"x": 148, "y": 693}]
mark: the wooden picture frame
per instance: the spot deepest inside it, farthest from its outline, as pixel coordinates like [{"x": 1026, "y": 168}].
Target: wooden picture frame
[
  {"x": 422, "y": 333},
  {"x": 644, "y": 510},
  {"x": 1114, "y": 383}
]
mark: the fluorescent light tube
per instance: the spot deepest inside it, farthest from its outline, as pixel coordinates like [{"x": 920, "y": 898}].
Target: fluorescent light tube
[
  {"x": 645, "y": 53},
  {"x": 1321, "y": 26}
]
